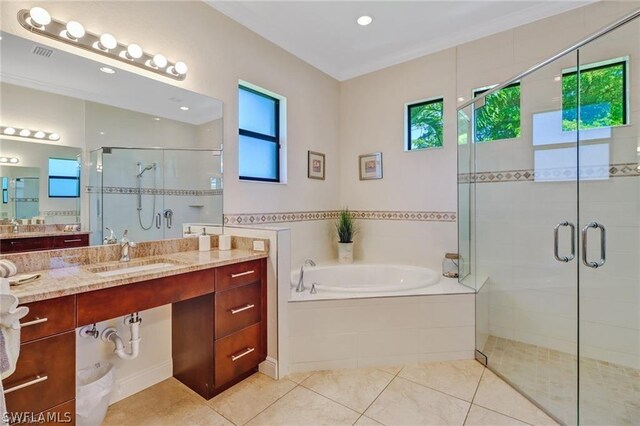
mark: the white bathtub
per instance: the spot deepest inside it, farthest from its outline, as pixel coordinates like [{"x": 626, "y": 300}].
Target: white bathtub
[{"x": 363, "y": 280}]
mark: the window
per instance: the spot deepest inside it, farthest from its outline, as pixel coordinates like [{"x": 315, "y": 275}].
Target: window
[
  {"x": 424, "y": 124},
  {"x": 259, "y": 136},
  {"x": 64, "y": 178},
  {"x": 499, "y": 118},
  {"x": 603, "y": 96},
  {"x": 5, "y": 190}
]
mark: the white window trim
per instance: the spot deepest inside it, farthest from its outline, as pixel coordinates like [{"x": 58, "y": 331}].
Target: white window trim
[{"x": 283, "y": 132}]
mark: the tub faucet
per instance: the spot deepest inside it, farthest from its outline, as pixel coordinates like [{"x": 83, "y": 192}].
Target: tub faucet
[
  {"x": 300, "y": 287},
  {"x": 125, "y": 245}
]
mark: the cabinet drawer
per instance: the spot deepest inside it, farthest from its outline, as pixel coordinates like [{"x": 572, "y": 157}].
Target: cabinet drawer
[
  {"x": 44, "y": 376},
  {"x": 62, "y": 414},
  {"x": 237, "y": 308},
  {"x": 48, "y": 317},
  {"x": 68, "y": 241},
  {"x": 25, "y": 244},
  {"x": 238, "y": 274},
  {"x": 237, "y": 354}
]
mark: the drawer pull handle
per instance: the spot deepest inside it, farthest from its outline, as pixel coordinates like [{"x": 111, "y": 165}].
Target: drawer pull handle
[
  {"x": 242, "y": 274},
  {"x": 244, "y": 308},
  {"x": 34, "y": 322},
  {"x": 38, "y": 379},
  {"x": 75, "y": 240},
  {"x": 234, "y": 358}
]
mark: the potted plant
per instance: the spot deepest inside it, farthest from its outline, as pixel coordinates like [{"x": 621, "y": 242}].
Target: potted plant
[{"x": 346, "y": 230}]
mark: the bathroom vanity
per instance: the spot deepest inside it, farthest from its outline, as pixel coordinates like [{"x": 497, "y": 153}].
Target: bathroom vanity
[
  {"x": 218, "y": 322},
  {"x": 33, "y": 241}
]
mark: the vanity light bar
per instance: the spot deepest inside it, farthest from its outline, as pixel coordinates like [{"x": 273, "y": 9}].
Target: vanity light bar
[
  {"x": 38, "y": 20},
  {"x": 9, "y": 160},
  {"x": 38, "y": 135}
]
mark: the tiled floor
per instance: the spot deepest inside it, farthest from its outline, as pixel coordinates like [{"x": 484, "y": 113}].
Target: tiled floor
[
  {"x": 609, "y": 393},
  {"x": 439, "y": 393}
]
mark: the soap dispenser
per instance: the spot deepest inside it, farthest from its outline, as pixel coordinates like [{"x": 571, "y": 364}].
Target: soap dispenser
[{"x": 204, "y": 241}]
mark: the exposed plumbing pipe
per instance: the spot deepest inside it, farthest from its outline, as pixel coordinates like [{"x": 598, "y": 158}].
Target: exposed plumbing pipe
[{"x": 110, "y": 334}]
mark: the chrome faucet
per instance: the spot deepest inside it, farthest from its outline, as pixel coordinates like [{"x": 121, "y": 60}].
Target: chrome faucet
[
  {"x": 300, "y": 287},
  {"x": 111, "y": 239},
  {"x": 125, "y": 245},
  {"x": 15, "y": 224}
]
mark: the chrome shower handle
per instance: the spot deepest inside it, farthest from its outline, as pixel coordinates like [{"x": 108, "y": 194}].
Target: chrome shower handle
[
  {"x": 168, "y": 214},
  {"x": 603, "y": 245},
  {"x": 158, "y": 220},
  {"x": 556, "y": 230}
]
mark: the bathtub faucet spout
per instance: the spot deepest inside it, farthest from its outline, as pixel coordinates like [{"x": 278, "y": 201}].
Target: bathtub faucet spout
[{"x": 300, "y": 287}]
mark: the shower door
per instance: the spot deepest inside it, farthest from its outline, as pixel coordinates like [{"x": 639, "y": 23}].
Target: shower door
[{"x": 609, "y": 204}]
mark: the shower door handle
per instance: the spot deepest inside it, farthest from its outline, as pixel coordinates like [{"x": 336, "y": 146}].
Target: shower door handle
[
  {"x": 556, "y": 231},
  {"x": 168, "y": 215},
  {"x": 158, "y": 221},
  {"x": 603, "y": 245}
]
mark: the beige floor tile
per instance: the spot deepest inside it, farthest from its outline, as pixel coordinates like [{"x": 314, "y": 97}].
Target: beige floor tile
[
  {"x": 304, "y": 407},
  {"x": 366, "y": 421},
  {"x": 495, "y": 394},
  {"x": 479, "y": 416},
  {"x": 390, "y": 369},
  {"x": 190, "y": 413},
  {"x": 356, "y": 388},
  {"x": 456, "y": 378},
  {"x": 299, "y": 377},
  {"x": 248, "y": 398},
  {"x": 407, "y": 403}
]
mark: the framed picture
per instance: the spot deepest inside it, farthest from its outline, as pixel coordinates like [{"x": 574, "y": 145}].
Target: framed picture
[
  {"x": 371, "y": 166},
  {"x": 315, "y": 166}
]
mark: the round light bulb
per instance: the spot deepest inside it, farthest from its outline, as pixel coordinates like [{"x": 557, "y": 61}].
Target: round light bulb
[
  {"x": 180, "y": 68},
  {"x": 25, "y": 133},
  {"x": 54, "y": 136},
  {"x": 39, "y": 134},
  {"x": 4, "y": 160},
  {"x": 13, "y": 160},
  {"x": 134, "y": 51},
  {"x": 159, "y": 61},
  {"x": 365, "y": 20},
  {"x": 107, "y": 41},
  {"x": 9, "y": 131},
  {"x": 75, "y": 30},
  {"x": 39, "y": 17}
]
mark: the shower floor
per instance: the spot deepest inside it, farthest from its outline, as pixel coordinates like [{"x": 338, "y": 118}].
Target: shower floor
[{"x": 609, "y": 393}]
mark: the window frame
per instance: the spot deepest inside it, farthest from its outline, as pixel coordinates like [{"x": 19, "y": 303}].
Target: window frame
[
  {"x": 274, "y": 139},
  {"x": 624, "y": 61},
  {"x": 407, "y": 122},
  {"x": 50, "y": 176},
  {"x": 479, "y": 91}
]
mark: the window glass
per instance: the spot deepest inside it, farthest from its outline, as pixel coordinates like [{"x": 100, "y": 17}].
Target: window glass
[
  {"x": 499, "y": 118},
  {"x": 425, "y": 124}
]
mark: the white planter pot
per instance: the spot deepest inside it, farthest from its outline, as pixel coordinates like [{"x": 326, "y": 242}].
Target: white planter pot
[{"x": 345, "y": 252}]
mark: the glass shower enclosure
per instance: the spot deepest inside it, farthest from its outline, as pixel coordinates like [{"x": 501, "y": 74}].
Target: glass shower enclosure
[
  {"x": 549, "y": 228},
  {"x": 153, "y": 193}
]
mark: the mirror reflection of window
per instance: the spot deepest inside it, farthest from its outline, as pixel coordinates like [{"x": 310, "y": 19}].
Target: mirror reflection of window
[{"x": 64, "y": 178}]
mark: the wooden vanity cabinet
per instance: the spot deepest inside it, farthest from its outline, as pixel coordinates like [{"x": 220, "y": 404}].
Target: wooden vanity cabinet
[
  {"x": 19, "y": 245},
  {"x": 232, "y": 323},
  {"x": 44, "y": 379}
]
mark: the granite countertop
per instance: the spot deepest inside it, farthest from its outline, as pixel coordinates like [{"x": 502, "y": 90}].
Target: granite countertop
[
  {"x": 12, "y": 235},
  {"x": 83, "y": 278}
]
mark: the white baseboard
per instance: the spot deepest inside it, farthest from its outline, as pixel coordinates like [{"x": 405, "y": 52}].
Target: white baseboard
[
  {"x": 269, "y": 367},
  {"x": 141, "y": 380}
]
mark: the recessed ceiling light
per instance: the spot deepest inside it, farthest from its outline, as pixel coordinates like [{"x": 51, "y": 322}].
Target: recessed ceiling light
[
  {"x": 107, "y": 70},
  {"x": 364, "y": 20},
  {"x": 184, "y": 108},
  {"x": 460, "y": 99},
  {"x": 156, "y": 118}
]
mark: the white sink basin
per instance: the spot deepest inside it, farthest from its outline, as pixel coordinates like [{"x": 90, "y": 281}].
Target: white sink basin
[{"x": 134, "y": 269}]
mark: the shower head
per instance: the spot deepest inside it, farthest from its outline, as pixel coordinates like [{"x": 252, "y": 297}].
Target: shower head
[{"x": 141, "y": 170}]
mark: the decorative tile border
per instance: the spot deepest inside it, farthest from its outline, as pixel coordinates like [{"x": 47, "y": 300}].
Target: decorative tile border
[
  {"x": 149, "y": 191},
  {"x": 60, "y": 213},
  {"x": 25, "y": 200},
  {"x": 306, "y": 216},
  {"x": 529, "y": 175}
]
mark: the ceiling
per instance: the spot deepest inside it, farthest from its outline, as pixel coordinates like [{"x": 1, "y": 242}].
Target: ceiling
[
  {"x": 325, "y": 33},
  {"x": 72, "y": 75}
]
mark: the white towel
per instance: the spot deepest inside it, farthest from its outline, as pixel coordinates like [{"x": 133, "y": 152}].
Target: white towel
[
  {"x": 10, "y": 315},
  {"x": 7, "y": 268}
]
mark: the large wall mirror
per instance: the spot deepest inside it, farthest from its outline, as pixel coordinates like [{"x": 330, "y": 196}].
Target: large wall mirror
[{"x": 116, "y": 150}]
